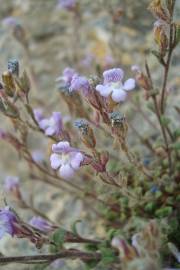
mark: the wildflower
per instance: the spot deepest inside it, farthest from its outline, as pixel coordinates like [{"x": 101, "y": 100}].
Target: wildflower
[
  {"x": 113, "y": 85},
  {"x": 11, "y": 224},
  {"x": 8, "y": 222},
  {"x": 38, "y": 114},
  {"x": 53, "y": 125},
  {"x": 38, "y": 156},
  {"x": 67, "y": 4},
  {"x": 10, "y": 21},
  {"x": 66, "y": 158},
  {"x": 79, "y": 83},
  {"x": 41, "y": 224},
  {"x": 64, "y": 81},
  {"x": 87, "y": 60},
  {"x": 12, "y": 184}
]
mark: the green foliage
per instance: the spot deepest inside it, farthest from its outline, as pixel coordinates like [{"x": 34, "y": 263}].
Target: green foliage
[{"x": 57, "y": 238}]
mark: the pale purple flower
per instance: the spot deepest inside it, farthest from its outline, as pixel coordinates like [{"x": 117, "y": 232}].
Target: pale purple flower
[
  {"x": 135, "y": 68},
  {"x": 38, "y": 114},
  {"x": 114, "y": 86},
  {"x": 67, "y": 4},
  {"x": 87, "y": 60},
  {"x": 66, "y": 158},
  {"x": 64, "y": 81},
  {"x": 38, "y": 156},
  {"x": 11, "y": 183},
  {"x": 41, "y": 224},
  {"x": 79, "y": 83},
  {"x": 53, "y": 125},
  {"x": 67, "y": 76},
  {"x": 10, "y": 21},
  {"x": 8, "y": 222}
]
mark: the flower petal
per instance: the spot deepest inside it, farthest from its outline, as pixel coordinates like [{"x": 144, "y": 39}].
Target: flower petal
[
  {"x": 113, "y": 75},
  {"x": 104, "y": 90},
  {"x": 66, "y": 171},
  {"x": 61, "y": 147},
  {"x": 118, "y": 95},
  {"x": 50, "y": 131},
  {"x": 76, "y": 160},
  {"x": 55, "y": 161},
  {"x": 129, "y": 84}
]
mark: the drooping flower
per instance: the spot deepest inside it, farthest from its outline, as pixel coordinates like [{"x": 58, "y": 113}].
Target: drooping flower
[
  {"x": 67, "y": 4},
  {"x": 66, "y": 158},
  {"x": 79, "y": 83},
  {"x": 113, "y": 85},
  {"x": 8, "y": 222},
  {"x": 53, "y": 125},
  {"x": 41, "y": 224}
]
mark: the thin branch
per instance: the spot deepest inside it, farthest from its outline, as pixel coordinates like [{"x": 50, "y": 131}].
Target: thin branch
[{"x": 69, "y": 254}]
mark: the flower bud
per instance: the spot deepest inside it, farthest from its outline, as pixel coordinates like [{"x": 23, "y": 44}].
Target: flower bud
[
  {"x": 158, "y": 10},
  {"x": 160, "y": 37},
  {"x": 87, "y": 134},
  {"x": 13, "y": 66},
  {"x": 9, "y": 84}
]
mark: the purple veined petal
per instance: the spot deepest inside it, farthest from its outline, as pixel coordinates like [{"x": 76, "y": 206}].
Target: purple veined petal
[
  {"x": 61, "y": 147},
  {"x": 56, "y": 161},
  {"x": 79, "y": 83},
  {"x": 76, "y": 160},
  {"x": 129, "y": 84},
  {"x": 119, "y": 95},
  {"x": 66, "y": 171},
  {"x": 113, "y": 75},
  {"x": 104, "y": 90}
]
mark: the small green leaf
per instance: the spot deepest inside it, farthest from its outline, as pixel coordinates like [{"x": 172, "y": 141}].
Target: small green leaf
[
  {"x": 74, "y": 225},
  {"x": 58, "y": 238},
  {"x": 164, "y": 212},
  {"x": 165, "y": 121}
]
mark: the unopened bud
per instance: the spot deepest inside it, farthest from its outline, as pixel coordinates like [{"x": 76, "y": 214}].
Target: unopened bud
[
  {"x": 160, "y": 37},
  {"x": 9, "y": 84},
  {"x": 158, "y": 10},
  {"x": 87, "y": 134},
  {"x": 13, "y": 66}
]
